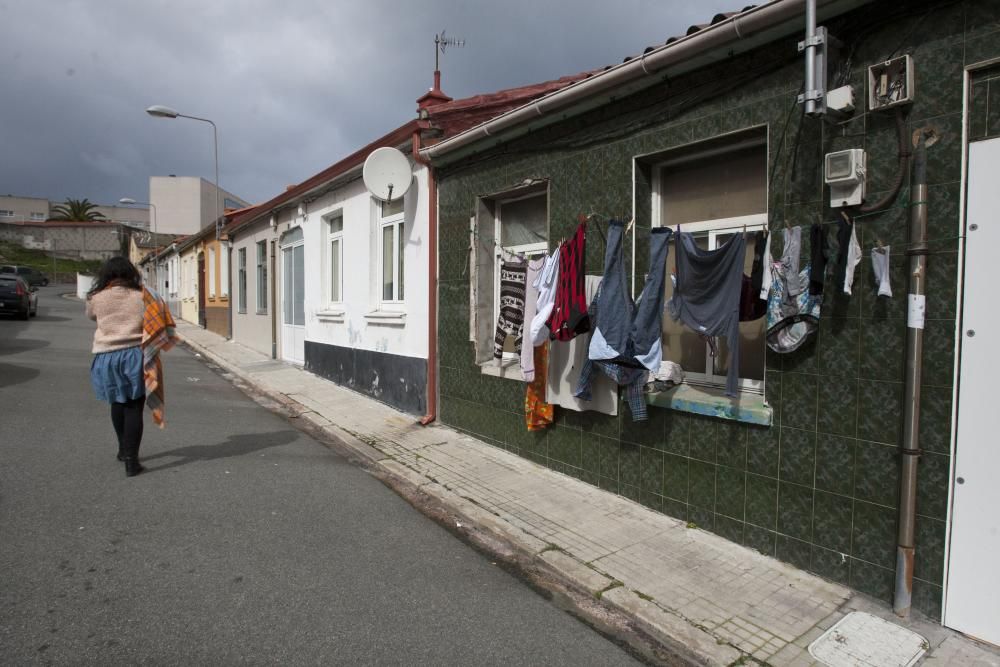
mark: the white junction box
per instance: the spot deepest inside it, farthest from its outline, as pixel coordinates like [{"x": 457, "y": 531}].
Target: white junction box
[
  {"x": 845, "y": 174},
  {"x": 841, "y": 99},
  {"x": 890, "y": 83}
]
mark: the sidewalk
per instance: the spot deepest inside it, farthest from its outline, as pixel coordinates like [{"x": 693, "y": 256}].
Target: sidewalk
[{"x": 703, "y": 599}]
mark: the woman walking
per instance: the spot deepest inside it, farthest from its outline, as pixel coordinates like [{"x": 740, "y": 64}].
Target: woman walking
[{"x": 120, "y": 305}]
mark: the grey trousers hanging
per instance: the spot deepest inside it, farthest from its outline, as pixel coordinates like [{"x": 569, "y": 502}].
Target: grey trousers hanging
[{"x": 630, "y": 332}]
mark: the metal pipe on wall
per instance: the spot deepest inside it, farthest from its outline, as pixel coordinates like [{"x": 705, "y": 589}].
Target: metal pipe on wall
[
  {"x": 272, "y": 279},
  {"x": 809, "y": 93},
  {"x": 910, "y": 449},
  {"x": 432, "y": 283}
]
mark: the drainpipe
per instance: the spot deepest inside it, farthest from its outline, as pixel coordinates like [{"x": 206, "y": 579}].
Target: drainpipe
[
  {"x": 911, "y": 398},
  {"x": 432, "y": 283},
  {"x": 810, "y": 94},
  {"x": 232, "y": 284},
  {"x": 274, "y": 302}
]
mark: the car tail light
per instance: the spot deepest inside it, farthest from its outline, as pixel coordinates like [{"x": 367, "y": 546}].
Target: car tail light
[{"x": 20, "y": 290}]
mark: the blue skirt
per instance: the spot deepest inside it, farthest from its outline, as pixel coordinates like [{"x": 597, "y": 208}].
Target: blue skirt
[{"x": 117, "y": 375}]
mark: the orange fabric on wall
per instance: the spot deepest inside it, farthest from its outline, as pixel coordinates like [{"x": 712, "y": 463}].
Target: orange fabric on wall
[{"x": 537, "y": 413}]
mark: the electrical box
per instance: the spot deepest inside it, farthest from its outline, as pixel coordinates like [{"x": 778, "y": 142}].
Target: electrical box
[
  {"x": 890, "y": 84},
  {"x": 845, "y": 174},
  {"x": 840, "y": 100}
]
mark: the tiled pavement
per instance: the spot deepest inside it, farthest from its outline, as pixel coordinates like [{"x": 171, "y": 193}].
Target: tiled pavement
[{"x": 712, "y": 600}]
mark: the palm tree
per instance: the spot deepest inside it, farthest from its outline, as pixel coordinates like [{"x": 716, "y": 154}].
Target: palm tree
[{"x": 77, "y": 210}]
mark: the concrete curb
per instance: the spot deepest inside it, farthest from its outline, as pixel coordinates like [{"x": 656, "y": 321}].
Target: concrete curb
[{"x": 645, "y": 629}]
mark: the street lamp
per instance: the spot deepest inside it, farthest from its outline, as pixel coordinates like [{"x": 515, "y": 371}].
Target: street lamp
[
  {"x": 128, "y": 201},
  {"x": 160, "y": 111}
]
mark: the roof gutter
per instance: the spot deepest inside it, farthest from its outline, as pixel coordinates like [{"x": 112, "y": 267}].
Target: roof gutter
[{"x": 737, "y": 34}]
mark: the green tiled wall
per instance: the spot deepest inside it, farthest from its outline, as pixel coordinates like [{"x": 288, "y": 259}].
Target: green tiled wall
[{"x": 819, "y": 487}]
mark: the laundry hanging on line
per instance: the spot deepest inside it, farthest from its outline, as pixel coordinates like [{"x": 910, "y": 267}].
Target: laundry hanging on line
[
  {"x": 880, "y": 266},
  {"x": 510, "y": 321},
  {"x": 535, "y": 267},
  {"x": 538, "y": 413},
  {"x": 707, "y": 293},
  {"x": 792, "y": 310},
  {"x": 569, "y": 315},
  {"x": 625, "y": 331},
  {"x": 545, "y": 284}
]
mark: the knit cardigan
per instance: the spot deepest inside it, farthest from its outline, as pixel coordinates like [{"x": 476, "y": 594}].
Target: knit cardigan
[{"x": 118, "y": 311}]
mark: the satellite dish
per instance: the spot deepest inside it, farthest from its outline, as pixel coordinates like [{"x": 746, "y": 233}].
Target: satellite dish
[{"x": 387, "y": 173}]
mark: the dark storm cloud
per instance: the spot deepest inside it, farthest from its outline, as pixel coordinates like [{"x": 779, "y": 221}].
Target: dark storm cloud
[{"x": 293, "y": 86}]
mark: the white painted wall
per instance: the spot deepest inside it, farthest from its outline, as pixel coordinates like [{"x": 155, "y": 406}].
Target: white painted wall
[
  {"x": 253, "y": 328},
  {"x": 184, "y": 204},
  {"x": 357, "y": 324}
]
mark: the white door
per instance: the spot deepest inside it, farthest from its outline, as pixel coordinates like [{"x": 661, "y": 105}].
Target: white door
[
  {"x": 293, "y": 317},
  {"x": 973, "y": 599}
]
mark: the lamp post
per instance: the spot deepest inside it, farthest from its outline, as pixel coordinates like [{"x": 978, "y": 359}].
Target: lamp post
[
  {"x": 128, "y": 201},
  {"x": 160, "y": 111}
]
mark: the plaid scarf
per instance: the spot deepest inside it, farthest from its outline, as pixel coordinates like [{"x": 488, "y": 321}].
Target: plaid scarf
[{"x": 157, "y": 335}]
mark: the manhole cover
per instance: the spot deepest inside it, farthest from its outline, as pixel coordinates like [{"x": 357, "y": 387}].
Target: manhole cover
[{"x": 862, "y": 640}]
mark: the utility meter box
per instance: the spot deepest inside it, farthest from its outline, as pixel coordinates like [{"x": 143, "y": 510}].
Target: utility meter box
[
  {"x": 890, "y": 84},
  {"x": 845, "y": 174}
]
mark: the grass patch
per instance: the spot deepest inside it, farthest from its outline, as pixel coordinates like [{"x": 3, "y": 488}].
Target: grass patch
[
  {"x": 65, "y": 270},
  {"x": 613, "y": 585}
]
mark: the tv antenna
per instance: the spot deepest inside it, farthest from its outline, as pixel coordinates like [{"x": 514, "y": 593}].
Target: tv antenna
[{"x": 441, "y": 43}]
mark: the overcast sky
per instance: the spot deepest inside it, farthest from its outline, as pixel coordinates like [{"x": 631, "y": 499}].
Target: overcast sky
[{"x": 293, "y": 85}]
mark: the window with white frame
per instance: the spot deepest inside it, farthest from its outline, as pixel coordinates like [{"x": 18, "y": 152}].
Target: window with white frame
[
  {"x": 521, "y": 225},
  {"x": 39, "y": 217},
  {"x": 261, "y": 277},
  {"x": 241, "y": 279},
  {"x": 391, "y": 243},
  {"x": 224, "y": 271},
  {"x": 211, "y": 272},
  {"x": 5, "y": 213},
  {"x": 335, "y": 258},
  {"x": 714, "y": 193},
  {"x": 507, "y": 224}
]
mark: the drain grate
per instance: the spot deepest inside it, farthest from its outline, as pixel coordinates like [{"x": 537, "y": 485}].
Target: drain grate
[{"x": 863, "y": 640}]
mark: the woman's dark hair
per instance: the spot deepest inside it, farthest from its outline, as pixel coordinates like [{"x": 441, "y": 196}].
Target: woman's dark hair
[{"x": 116, "y": 271}]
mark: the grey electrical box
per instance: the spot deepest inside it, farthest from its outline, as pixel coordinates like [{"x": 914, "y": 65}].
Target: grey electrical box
[
  {"x": 890, "y": 84},
  {"x": 845, "y": 174}
]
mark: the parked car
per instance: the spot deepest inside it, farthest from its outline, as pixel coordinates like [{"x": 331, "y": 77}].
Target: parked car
[
  {"x": 17, "y": 296},
  {"x": 31, "y": 275}
]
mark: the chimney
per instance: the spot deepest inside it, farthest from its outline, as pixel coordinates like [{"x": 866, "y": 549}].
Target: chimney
[{"x": 434, "y": 96}]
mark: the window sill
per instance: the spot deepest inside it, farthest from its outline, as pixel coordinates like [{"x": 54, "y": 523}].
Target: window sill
[
  {"x": 330, "y": 315},
  {"x": 261, "y": 312},
  {"x": 509, "y": 369},
  {"x": 749, "y": 408},
  {"x": 389, "y": 318}
]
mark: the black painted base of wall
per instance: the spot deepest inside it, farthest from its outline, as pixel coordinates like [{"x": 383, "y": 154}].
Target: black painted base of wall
[{"x": 389, "y": 378}]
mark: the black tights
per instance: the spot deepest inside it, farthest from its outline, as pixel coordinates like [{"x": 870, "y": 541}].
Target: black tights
[{"x": 127, "y": 418}]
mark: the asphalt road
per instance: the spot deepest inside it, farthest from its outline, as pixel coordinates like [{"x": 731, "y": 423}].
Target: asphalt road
[{"x": 246, "y": 542}]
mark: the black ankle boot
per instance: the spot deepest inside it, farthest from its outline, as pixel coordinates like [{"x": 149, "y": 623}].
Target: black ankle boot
[
  {"x": 121, "y": 455},
  {"x": 132, "y": 466}
]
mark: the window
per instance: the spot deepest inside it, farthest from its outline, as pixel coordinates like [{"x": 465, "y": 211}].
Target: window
[
  {"x": 335, "y": 259},
  {"x": 511, "y": 222},
  {"x": 391, "y": 245},
  {"x": 4, "y": 213},
  {"x": 211, "y": 272},
  {"x": 714, "y": 195},
  {"x": 224, "y": 271},
  {"x": 261, "y": 277},
  {"x": 40, "y": 217},
  {"x": 293, "y": 278},
  {"x": 241, "y": 280},
  {"x": 522, "y": 226}
]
